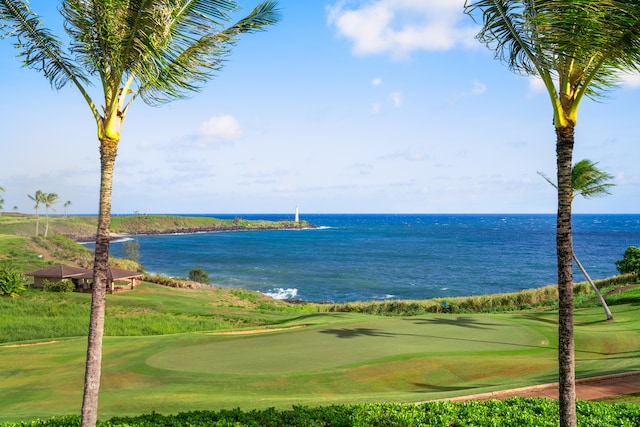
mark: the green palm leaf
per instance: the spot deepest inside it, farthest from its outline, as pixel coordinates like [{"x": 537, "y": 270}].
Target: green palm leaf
[{"x": 39, "y": 48}]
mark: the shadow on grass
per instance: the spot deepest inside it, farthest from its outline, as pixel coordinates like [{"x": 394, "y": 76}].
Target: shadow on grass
[
  {"x": 429, "y": 388},
  {"x": 357, "y": 332},
  {"x": 463, "y": 322}
]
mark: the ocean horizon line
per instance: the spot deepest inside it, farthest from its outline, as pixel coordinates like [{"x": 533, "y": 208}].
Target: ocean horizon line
[{"x": 292, "y": 213}]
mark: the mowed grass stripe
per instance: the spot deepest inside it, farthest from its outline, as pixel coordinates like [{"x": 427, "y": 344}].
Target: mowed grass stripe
[{"x": 321, "y": 348}]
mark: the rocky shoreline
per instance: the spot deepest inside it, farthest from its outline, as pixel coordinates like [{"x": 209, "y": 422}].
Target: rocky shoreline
[{"x": 195, "y": 230}]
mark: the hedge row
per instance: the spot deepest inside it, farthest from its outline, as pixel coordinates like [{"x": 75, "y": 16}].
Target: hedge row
[{"x": 511, "y": 412}]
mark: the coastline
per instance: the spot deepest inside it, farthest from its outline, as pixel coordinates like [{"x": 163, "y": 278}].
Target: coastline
[{"x": 196, "y": 230}]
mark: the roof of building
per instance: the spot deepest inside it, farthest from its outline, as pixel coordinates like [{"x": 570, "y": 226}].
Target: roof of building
[{"x": 60, "y": 270}]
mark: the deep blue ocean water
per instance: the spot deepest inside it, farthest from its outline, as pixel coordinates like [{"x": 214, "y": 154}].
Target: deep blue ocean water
[{"x": 377, "y": 257}]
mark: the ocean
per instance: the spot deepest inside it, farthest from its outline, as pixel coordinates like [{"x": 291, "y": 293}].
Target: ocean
[{"x": 352, "y": 257}]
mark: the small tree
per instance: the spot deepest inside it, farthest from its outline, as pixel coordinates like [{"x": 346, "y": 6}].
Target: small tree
[
  {"x": 199, "y": 275},
  {"x": 630, "y": 262},
  {"x": 131, "y": 250}
]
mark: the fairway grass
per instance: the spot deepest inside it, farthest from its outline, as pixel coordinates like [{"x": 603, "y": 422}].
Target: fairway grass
[{"x": 336, "y": 358}]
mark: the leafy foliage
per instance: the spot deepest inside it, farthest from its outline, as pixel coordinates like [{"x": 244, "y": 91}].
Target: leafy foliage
[
  {"x": 511, "y": 412},
  {"x": 64, "y": 285},
  {"x": 131, "y": 250},
  {"x": 12, "y": 282},
  {"x": 199, "y": 275},
  {"x": 630, "y": 262}
]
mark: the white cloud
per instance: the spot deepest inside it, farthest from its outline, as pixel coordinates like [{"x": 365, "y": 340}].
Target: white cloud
[
  {"x": 478, "y": 88},
  {"x": 536, "y": 85},
  {"x": 376, "y": 82},
  {"x": 400, "y": 27},
  {"x": 396, "y": 98},
  {"x": 376, "y": 108},
  {"x": 224, "y": 127},
  {"x": 630, "y": 80}
]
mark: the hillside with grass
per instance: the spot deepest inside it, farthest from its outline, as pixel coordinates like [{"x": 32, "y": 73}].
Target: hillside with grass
[{"x": 84, "y": 227}]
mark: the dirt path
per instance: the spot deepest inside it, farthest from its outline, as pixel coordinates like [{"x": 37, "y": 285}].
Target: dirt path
[{"x": 586, "y": 389}]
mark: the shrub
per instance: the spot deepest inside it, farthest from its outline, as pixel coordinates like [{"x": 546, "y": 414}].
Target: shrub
[
  {"x": 199, "y": 275},
  {"x": 12, "y": 282},
  {"x": 65, "y": 285},
  {"x": 131, "y": 250},
  {"x": 630, "y": 262}
]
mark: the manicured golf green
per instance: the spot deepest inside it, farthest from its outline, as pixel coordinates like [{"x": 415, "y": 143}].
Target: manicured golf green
[{"x": 336, "y": 358}]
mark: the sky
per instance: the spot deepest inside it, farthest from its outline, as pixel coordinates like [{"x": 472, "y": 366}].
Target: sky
[{"x": 372, "y": 106}]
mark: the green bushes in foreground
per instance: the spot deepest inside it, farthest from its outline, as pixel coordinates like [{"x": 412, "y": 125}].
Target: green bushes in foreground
[{"x": 511, "y": 412}]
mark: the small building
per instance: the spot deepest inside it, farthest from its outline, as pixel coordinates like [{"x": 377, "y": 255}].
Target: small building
[
  {"x": 57, "y": 273},
  {"x": 123, "y": 278},
  {"x": 117, "y": 279}
]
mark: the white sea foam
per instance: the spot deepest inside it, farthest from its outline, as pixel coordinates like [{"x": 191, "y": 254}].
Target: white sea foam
[
  {"x": 122, "y": 239},
  {"x": 281, "y": 293}
]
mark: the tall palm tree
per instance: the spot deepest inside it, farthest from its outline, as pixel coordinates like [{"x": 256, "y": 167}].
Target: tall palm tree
[
  {"x": 153, "y": 49},
  {"x": 578, "y": 49},
  {"x": 38, "y": 198},
  {"x": 588, "y": 181},
  {"x": 48, "y": 199}
]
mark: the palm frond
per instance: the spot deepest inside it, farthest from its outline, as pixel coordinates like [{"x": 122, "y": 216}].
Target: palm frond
[
  {"x": 194, "y": 53},
  {"x": 39, "y": 48},
  {"x": 581, "y": 43},
  {"x": 589, "y": 181}
]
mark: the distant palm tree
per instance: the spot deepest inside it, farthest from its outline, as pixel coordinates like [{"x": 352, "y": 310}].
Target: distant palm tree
[
  {"x": 588, "y": 181},
  {"x": 48, "y": 200},
  {"x": 2, "y": 190},
  {"x": 38, "y": 198},
  {"x": 66, "y": 205}
]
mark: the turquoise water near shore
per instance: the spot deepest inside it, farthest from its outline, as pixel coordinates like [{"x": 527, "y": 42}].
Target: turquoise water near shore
[{"x": 376, "y": 256}]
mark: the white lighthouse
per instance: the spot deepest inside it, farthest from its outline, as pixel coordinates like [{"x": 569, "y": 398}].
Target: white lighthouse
[{"x": 297, "y": 217}]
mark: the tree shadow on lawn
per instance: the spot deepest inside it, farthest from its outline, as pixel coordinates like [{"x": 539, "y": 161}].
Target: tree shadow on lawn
[
  {"x": 464, "y": 322},
  {"x": 359, "y": 332},
  {"x": 430, "y": 388}
]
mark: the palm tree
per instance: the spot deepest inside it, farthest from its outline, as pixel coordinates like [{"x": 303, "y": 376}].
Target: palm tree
[
  {"x": 153, "y": 49},
  {"x": 38, "y": 198},
  {"x": 48, "y": 200},
  {"x": 1, "y": 204},
  {"x": 66, "y": 205},
  {"x": 588, "y": 181},
  {"x": 578, "y": 49}
]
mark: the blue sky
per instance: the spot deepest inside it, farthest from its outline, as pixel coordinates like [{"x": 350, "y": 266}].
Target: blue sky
[{"x": 343, "y": 107}]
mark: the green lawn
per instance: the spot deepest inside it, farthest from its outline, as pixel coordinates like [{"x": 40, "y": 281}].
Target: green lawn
[{"x": 335, "y": 358}]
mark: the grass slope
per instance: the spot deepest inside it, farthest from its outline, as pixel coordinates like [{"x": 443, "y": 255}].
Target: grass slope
[
  {"x": 334, "y": 358},
  {"x": 84, "y": 227}
]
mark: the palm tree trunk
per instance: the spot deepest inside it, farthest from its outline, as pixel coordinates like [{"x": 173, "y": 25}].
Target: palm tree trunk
[
  {"x": 564, "y": 248},
  {"x": 37, "y": 222},
  {"x": 108, "y": 151},
  {"x": 46, "y": 228},
  {"x": 603, "y": 303}
]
